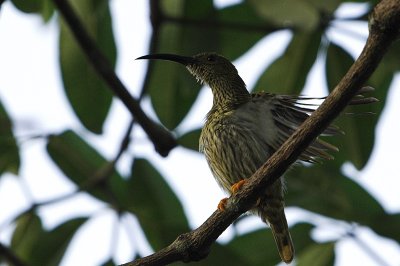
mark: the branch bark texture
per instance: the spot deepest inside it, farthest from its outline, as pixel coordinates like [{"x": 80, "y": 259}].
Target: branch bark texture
[
  {"x": 162, "y": 139},
  {"x": 195, "y": 245}
]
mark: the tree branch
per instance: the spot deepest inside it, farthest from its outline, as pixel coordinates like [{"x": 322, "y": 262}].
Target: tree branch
[
  {"x": 162, "y": 139},
  {"x": 195, "y": 245}
]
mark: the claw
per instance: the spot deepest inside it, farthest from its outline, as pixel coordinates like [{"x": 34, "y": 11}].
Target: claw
[
  {"x": 222, "y": 204},
  {"x": 236, "y": 187}
]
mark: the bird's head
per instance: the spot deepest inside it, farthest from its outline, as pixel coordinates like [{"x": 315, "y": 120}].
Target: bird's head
[
  {"x": 217, "y": 72},
  {"x": 209, "y": 68}
]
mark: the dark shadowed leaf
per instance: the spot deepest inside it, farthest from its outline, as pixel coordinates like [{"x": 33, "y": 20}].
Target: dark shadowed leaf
[
  {"x": 219, "y": 255},
  {"x": 289, "y": 13},
  {"x": 287, "y": 75},
  {"x": 109, "y": 262},
  {"x": 159, "y": 211},
  {"x": 357, "y": 143},
  {"x": 317, "y": 254},
  {"x": 387, "y": 225},
  {"x": 390, "y": 59},
  {"x": 9, "y": 152},
  {"x": 301, "y": 236},
  {"x": 86, "y": 91},
  {"x": 202, "y": 29},
  {"x": 324, "y": 190},
  {"x": 190, "y": 139},
  {"x": 37, "y": 246},
  {"x": 240, "y": 28},
  {"x": 259, "y": 248},
  {"x": 338, "y": 62},
  {"x": 172, "y": 89},
  {"x": 84, "y": 166}
]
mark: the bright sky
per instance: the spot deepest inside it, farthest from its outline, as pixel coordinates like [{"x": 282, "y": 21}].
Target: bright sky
[{"x": 31, "y": 91}]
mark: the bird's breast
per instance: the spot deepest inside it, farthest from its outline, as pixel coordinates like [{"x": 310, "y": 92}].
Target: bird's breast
[{"x": 235, "y": 146}]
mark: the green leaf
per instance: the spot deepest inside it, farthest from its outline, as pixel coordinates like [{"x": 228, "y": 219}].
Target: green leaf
[
  {"x": 259, "y": 248},
  {"x": 387, "y": 225},
  {"x": 325, "y": 190},
  {"x": 39, "y": 247},
  {"x": 54, "y": 243},
  {"x": 357, "y": 143},
  {"x": 240, "y": 28},
  {"x": 390, "y": 58},
  {"x": 159, "y": 211},
  {"x": 29, "y": 6},
  {"x": 9, "y": 152},
  {"x": 301, "y": 236},
  {"x": 172, "y": 89},
  {"x": 45, "y": 8},
  {"x": 195, "y": 23},
  {"x": 325, "y": 7},
  {"x": 287, "y": 75},
  {"x": 318, "y": 255},
  {"x": 338, "y": 62},
  {"x": 84, "y": 166},
  {"x": 289, "y": 13},
  {"x": 86, "y": 91},
  {"x": 27, "y": 231},
  {"x": 190, "y": 140}
]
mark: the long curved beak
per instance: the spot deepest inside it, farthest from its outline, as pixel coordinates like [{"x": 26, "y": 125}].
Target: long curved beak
[{"x": 184, "y": 60}]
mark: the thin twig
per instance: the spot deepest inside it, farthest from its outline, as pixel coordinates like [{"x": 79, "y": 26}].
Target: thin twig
[
  {"x": 161, "y": 138},
  {"x": 368, "y": 250},
  {"x": 196, "y": 244}
]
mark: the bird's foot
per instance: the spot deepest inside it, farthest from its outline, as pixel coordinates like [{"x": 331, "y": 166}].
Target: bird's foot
[
  {"x": 234, "y": 188},
  {"x": 237, "y": 186},
  {"x": 222, "y": 204}
]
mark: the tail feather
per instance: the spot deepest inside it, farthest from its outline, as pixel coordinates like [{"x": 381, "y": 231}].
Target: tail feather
[
  {"x": 283, "y": 241},
  {"x": 272, "y": 212}
]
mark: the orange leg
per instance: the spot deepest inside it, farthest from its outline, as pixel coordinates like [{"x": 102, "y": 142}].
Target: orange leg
[
  {"x": 222, "y": 204},
  {"x": 236, "y": 187}
]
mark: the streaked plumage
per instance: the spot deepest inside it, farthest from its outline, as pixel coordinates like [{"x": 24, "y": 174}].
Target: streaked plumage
[{"x": 243, "y": 130}]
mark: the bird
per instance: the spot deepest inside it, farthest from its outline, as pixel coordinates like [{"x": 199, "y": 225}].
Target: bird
[{"x": 242, "y": 130}]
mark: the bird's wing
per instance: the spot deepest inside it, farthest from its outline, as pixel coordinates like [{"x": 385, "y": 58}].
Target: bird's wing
[{"x": 288, "y": 113}]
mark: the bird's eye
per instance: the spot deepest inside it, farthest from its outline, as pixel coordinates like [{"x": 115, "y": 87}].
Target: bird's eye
[{"x": 211, "y": 58}]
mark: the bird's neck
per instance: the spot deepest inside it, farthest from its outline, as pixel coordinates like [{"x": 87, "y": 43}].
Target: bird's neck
[{"x": 229, "y": 93}]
